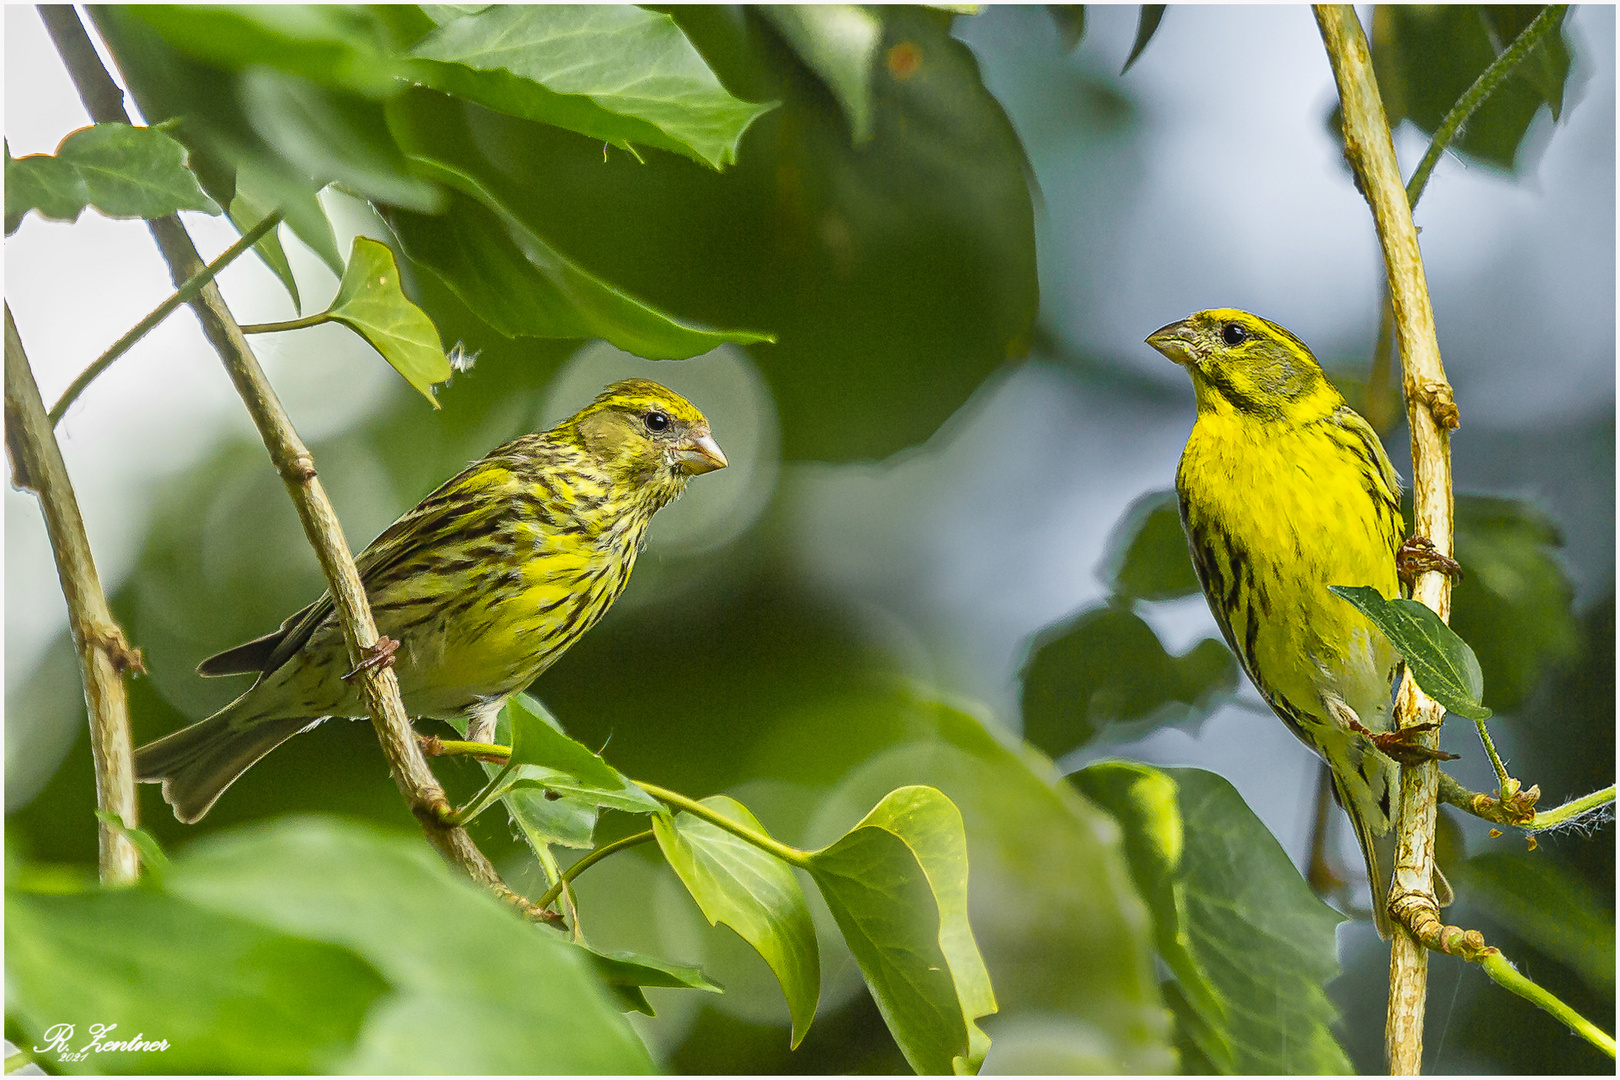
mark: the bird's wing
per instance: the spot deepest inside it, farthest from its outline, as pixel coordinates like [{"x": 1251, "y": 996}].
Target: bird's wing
[{"x": 1358, "y": 437}]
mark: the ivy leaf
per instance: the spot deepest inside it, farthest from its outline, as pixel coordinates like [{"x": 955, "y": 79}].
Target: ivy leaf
[
  {"x": 751, "y": 891},
  {"x": 616, "y": 73},
  {"x": 565, "y": 766},
  {"x": 1147, "y": 24},
  {"x": 1230, "y": 914},
  {"x": 245, "y": 212},
  {"x": 123, "y": 171},
  {"x": 839, "y": 43},
  {"x": 897, "y": 885},
  {"x": 1147, "y": 555},
  {"x": 626, "y": 973},
  {"x": 1105, "y": 673},
  {"x": 1441, "y": 662},
  {"x": 370, "y": 302}
]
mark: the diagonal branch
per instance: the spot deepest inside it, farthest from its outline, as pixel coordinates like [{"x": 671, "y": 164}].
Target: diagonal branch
[
  {"x": 379, "y": 689},
  {"x": 104, "y": 653},
  {"x": 1432, "y": 413}
]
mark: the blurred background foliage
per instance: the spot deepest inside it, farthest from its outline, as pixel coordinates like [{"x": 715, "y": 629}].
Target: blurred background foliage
[{"x": 944, "y": 526}]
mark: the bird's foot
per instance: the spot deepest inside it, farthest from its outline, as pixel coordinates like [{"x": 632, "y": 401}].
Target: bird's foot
[
  {"x": 375, "y": 658},
  {"x": 1418, "y": 555},
  {"x": 1403, "y": 746}
]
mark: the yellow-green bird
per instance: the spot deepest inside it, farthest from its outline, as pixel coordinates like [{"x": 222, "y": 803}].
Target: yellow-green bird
[
  {"x": 1286, "y": 490},
  {"x": 481, "y": 586}
]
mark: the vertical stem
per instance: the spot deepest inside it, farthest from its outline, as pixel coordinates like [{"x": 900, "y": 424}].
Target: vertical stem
[
  {"x": 1432, "y": 413},
  {"x": 104, "y": 654}
]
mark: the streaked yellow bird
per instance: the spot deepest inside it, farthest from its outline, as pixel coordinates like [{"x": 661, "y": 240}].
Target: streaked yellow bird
[
  {"x": 1286, "y": 490},
  {"x": 480, "y": 587}
]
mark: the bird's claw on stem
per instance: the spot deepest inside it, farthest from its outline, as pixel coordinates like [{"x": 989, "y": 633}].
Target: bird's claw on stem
[
  {"x": 1417, "y": 555},
  {"x": 1403, "y": 747},
  {"x": 375, "y": 657}
]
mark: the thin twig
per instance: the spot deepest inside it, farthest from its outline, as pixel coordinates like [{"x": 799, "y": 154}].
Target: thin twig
[
  {"x": 379, "y": 689},
  {"x": 291, "y": 324},
  {"x": 1519, "y": 810},
  {"x": 590, "y": 860},
  {"x": 1431, "y": 413},
  {"x": 1475, "y": 95},
  {"x": 1508, "y": 786},
  {"x": 141, "y": 329},
  {"x": 104, "y": 653}
]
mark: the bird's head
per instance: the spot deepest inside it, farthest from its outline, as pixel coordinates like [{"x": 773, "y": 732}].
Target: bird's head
[
  {"x": 647, "y": 434},
  {"x": 1245, "y": 364}
]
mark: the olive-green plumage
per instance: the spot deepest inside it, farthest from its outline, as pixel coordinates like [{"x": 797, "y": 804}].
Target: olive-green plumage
[
  {"x": 1285, "y": 491},
  {"x": 483, "y": 585}
]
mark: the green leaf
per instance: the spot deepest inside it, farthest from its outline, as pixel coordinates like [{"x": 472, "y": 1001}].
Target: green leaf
[
  {"x": 1552, "y": 909},
  {"x": 751, "y": 891},
  {"x": 523, "y": 287},
  {"x": 1250, "y": 946},
  {"x": 266, "y": 181},
  {"x": 1514, "y": 603},
  {"x": 370, "y": 302},
  {"x": 335, "y": 137},
  {"x": 245, "y": 213},
  {"x": 897, "y": 885},
  {"x": 1441, "y": 662},
  {"x": 1547, "y": 66},
  {"x": 1105, "y": 673},
  {"x": 123, "y": 171},
  {"x": 1070, "y": 20},
  {"x": 476, "y": 988},
  {"x": 626, "y": 973},
  {"x": 1147, "y": 555},
  {"x": 839, "y": 43},
  {"x": 615, "y": 73},
  {"x": 151, "y": 852},
  {"x": 564, "y": 765},
  {"x": 335, "y": 45},
  {"x": 1146, "y": 25},
  {"x": 226, "y": 993}
]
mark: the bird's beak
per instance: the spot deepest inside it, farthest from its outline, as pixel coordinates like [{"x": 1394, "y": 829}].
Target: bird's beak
[
  {"x": 700, "y": 454},
  {"x": 1177, "y": 341}
]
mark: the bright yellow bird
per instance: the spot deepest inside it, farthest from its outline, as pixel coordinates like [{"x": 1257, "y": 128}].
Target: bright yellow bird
[
  {"x": 481, "y": 587},
  {"x": 1285, "y": 491}
]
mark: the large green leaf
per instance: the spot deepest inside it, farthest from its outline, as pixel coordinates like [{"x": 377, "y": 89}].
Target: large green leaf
[
  {"x": 123, "y": 171},
  {"x": 839, "y": 42},
  {"x": 1547, "y": 905},
  {"x": 370, "y": 302},
  {"x": 551, "y": 761},
  {"x": 1249, "y": 944},
  {"x": 751, "y": 891},
  {"x": 1514, "y": 603},
  {"x": 1441, "y": 662},
  {"x": 476, "y": 988},
  {"x": 223, "y": 992},
  {"x": 614, "y": 73},
  {"x": 897, "y": 885},
  {"x": 1147, "y": 555},
  {"x": 1105, "y": 671}
]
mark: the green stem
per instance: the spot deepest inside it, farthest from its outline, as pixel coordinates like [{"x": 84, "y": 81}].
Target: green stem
[
  {"x": 791, "y": 855},
  {"x": 481, "y": 801},
  {"x": 1507, "y": 976},
  {"x": 589, "y": 861},
  {"x": 1476, "y": 94},
  {"x": 1571, "y": 810},
  {"x": 182, "y": 295},
  {"x": 454, "y": 747},
  {"x": 291, "y": 324},
  {"x": 1503, "y": 780}
]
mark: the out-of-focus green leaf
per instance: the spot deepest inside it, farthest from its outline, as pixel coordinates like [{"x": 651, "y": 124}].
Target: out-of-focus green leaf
[
  {"x": 476, "y": 988},
  {"x": 897, "y": 885},
  {"x": 1514, "y": 603},
  {"x": 370, "y": 302},
  {"x": 615, "y": 73},
  {"x": 1250, "y": 945},
  {"x": 626, "y": 973},
  {"x": 1147, "y": 24},
  {"x": 1070, "y": 20},
  {"x": 1427, "y": 56},
  {"x": 1147, "y": 552},
  {"x": 335, "y": 45},
  {"x": 1440, "y": 661},
  {"x": 245, "y": 213},
  {"x": 561, "y": 764},
  {"x": 123, "y": 171},
  {"x": 226, "y": 993},
  {"x": 1548, "y": 906},
  {"x": 752, "y": 892},
  {"x": 839, "y": 42},
  {"x": 1106, "y": 669},
  {"x": 335, "y": 136}
]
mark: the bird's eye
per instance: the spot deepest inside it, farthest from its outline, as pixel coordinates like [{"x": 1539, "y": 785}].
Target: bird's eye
[
  {"x": 1234, "y": 334},
  {"x": 656, "y": 421}
]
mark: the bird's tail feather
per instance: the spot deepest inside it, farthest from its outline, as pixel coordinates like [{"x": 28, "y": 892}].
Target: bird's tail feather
[
  {"x": 1378, "y": 848},
  {"x": 196, "y": 764}
]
